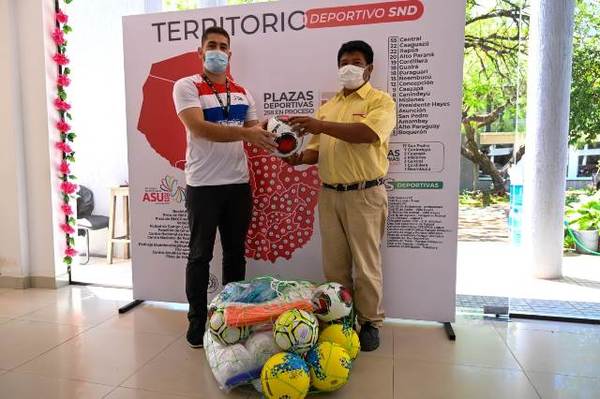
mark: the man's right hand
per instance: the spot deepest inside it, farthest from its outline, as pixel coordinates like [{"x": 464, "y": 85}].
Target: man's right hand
[
  {"x": 294, "y": 160},
  {"x": 260, "y": 137}
]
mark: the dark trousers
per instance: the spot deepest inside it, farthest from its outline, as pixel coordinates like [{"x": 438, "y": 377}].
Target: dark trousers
[{"x": 227, "y": 208}]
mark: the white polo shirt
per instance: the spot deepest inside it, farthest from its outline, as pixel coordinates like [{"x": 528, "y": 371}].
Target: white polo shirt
[{"x": 209, "y": 163}]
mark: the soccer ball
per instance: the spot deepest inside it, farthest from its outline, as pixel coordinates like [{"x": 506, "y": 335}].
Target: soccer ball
[
  {"x": 231, "y": 361},
  {"x": 329, "y": 366},
  {"x": 344, "y": 336},
  {"x": 332, "y": 301},
  {"x": 262, "y": 346},
  {"x": 296, "y": 330},
  {"x": 285, "y": 375},
  {"x": 227, "y": 361},
  {"x": 224, "y": 334},
  {"x": 288, "y": 141}
]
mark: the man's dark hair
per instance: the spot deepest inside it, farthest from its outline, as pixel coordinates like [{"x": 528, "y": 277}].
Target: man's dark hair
[
  {"x": 356, "y": 45},
  {"x": 215, "y": 30}
]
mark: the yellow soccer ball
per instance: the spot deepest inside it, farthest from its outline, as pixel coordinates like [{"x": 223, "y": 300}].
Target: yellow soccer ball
[
  {"x": 296, "y": 331},
  {"x": 329, "y": 366},
  {"x": 285, "y": 376},
  {"x": 344, "y": 336}
]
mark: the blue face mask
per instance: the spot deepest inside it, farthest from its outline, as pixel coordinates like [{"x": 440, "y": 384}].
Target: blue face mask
[{"x": 215, "y": 61}]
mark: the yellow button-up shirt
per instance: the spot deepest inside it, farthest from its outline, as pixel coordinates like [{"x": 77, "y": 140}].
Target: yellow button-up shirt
[{"x": 341, "y": 162}]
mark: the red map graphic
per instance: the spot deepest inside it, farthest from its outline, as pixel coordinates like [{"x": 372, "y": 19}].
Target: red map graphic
[
  {"x": 284, "y": 206},
  {"x": 284, "y": 198},
  {"x": 158, "y": 120}
]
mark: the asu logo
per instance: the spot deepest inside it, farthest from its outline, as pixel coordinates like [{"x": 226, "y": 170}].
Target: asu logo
[
  {"x": 169, "y": 190},
  {"x": 156, "y": 197}
]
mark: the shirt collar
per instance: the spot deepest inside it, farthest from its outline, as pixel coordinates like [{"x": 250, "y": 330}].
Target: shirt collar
[{"x": 362, "y": 92}]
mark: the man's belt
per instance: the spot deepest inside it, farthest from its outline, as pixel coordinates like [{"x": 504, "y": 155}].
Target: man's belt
[{"x": 354, "y": 186}]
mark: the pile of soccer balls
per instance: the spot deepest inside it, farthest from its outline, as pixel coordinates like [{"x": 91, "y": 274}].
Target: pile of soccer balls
[{"x": 302, "y": 351}]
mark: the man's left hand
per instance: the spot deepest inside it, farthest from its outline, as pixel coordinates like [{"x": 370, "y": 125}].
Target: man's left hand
[{"x": 306, "y": 124}]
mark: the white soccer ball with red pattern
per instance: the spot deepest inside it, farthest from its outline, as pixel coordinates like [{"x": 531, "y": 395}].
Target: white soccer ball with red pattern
[
  {"x": 288, "y": 141},
  {"x": 332, "y": 301}
]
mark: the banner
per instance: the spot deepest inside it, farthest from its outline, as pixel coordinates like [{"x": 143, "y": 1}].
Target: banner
[{"x": 285, "y": 54}]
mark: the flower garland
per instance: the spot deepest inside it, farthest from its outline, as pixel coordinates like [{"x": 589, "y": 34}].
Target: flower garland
[{"x": 68, "y": 189}]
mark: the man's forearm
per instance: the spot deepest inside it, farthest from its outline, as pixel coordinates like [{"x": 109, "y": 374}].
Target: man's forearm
[
  {"x": 350, "y": 132},
  {"x": 217, "y": 133}
]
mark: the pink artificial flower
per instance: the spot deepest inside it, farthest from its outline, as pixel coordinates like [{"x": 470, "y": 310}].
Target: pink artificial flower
[
  {"x": 61, "y": 105},
  {"x": 64, "y": 168},
  {"x": 67, "y": 187},
  {"x": 63, "y": 126},
  {"x": 67, "y": 210},
  {"x": 58, "y": 36},
  {"x": 64, "y": 147},
  {"x": 70, "y": 251},
  {"x": 60, "y": 59},
  {"x": 63, "y": 80},
  {"x": 67, "y": 229},
  {"x": 62, "y": 17}
]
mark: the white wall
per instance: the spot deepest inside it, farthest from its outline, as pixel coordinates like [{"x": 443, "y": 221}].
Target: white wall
[
  {"x": 97, "y": 92},
  {"x": 31, "y": 244},
  {"x": 14, "y": 253},
  {"x": 98, "y": 95}
]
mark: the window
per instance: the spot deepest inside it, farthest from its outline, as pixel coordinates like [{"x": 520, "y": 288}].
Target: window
[{"x": 587, "y": 165}]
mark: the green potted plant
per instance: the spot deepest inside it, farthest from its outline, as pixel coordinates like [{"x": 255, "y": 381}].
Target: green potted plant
[{"x": 584, "y": 220}]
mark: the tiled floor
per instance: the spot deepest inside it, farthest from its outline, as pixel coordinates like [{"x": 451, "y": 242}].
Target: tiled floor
[
  {"x": 580, "y": 310},
  {"x": 497, "y": 269},
  {"x": 71, "y": 343},
  {"x": 97, "y": 271}
]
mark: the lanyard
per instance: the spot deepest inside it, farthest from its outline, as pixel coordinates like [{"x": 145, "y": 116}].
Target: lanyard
[{"x": 227, "y": 108}]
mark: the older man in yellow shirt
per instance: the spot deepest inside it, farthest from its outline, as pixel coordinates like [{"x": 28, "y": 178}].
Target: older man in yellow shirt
[{"x": 350, "y": 144}]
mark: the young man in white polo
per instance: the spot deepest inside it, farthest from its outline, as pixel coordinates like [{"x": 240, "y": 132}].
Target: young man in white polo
[{"x": 219, "y": 116}]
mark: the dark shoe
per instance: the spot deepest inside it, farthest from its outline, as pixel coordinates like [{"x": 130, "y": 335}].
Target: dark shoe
[
  {"x": 369, "y": 337},
  {"x": 195, "y": 334}
]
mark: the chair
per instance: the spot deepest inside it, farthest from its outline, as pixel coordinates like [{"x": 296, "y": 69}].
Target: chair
[
  {"x": 115, "y": 193},
  {"x": 86, "y": 221}
]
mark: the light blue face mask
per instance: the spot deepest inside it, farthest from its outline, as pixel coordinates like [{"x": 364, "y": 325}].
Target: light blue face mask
[{"x": 215, "y": 61}]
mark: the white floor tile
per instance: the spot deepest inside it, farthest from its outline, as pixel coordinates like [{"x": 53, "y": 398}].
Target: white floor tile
[
  {"x": 552, "y": 386},
  {"x": 28, "y": 386},
  {"x": 103, "y": 357},
  {"x": 423, "y": 380},
  {"x": 556, "y": 352}
]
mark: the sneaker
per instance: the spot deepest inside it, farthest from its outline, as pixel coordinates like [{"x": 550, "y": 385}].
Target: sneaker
[
  {"x": 369, "y": 337},
  {"x": 195, "y": 334}
]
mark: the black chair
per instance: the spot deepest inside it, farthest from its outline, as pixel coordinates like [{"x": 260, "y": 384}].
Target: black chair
[{"x": 85, "y": 220}]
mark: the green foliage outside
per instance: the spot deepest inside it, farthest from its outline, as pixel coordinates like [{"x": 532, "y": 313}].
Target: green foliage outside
[
  {"x": 495, "y": 69},
  {"x": 173, "y": 5},
  {"x": 584, "y": 121},
  {"x": 584, "y": 212},
  {"x": 480, "y": 199}
]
